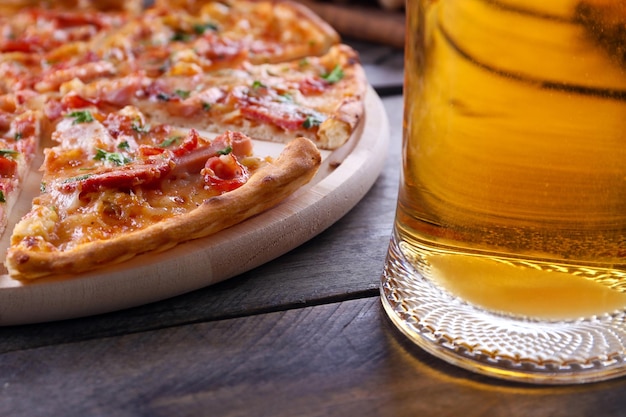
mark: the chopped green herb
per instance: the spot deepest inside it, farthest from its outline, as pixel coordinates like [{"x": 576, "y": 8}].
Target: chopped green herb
[
  {"x": 334, "y": 76},
  {"x": 201, "y": 28},
  {"x": 74, "y": 179},
  {"x": 310, "y": 122},
  {"x": 82, "y": 116},
  {"x": 2, "y": 199},
  {"x": 18, "y": 135},
  {"x": 115, "y": 158},
  {"x": 180, "y": 37},
  {"x": 123, "y": 145},
  {"x": 225, "y": 151},
  {"x": 206, "y": 106},
  {"x": 170, "y": 141},
  {"x": 182, "y": 93},
  {"x": 258, "y": 84},
  {"x": 138, "y": 127},
  {"x": 42, "y": 187},
  {"x": 8, "y": 152}
]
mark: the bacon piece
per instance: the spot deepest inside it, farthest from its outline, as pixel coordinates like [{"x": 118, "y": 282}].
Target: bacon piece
[
  {"x": 84, "y": 72},
  {"x": 219, "y": 49},
  {"x": 30, "y": 44},
  {"x": 54, "y": 109},
  {"x": 189, "y": 144},
  {"x": 69, "y": 19},
  {"x": 312, "y": 86},
  {"x": 224, "y": 173},
  {"x": 120, "y": 178},
  {"x": 240, "y": 145},
  {"x": 282, "y": 117}
]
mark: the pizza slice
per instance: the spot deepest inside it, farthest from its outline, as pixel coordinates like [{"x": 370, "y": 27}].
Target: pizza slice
[
  {"x": 320, "y": 98},
  {"x": 19, "y": 138},
  {"x": 169, "y": 39},
  {"x": 273, "y": 31},
  {"x": 40, "y": 49},
  {"x": 116, "y": 186},
  {"x": 37, "y": 30}
]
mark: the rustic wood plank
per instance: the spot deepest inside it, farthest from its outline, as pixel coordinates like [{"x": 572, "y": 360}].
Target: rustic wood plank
[
  {"x": 343, "y": 262},
  {"x": 339, "y": 359}
]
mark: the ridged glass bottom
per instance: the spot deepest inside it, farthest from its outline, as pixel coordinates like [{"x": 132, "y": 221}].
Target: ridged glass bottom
[{"x": 543, "y": 352}]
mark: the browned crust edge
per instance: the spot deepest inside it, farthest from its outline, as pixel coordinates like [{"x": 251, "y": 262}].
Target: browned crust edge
[
  {"x": 323, "y": 26},
  {"x": 272, "y": 184}
]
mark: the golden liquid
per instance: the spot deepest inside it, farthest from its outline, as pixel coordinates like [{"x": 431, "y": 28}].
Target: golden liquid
[{"x": 514, "y": 184}]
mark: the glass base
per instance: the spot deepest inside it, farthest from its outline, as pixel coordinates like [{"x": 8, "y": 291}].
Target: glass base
[{"x": 506, "y": 347}]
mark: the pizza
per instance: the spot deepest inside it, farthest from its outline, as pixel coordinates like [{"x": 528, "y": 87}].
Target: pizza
[{"x": 146, "y": 121}]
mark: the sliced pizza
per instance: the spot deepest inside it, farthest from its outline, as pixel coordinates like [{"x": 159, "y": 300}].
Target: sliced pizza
[
  {"x": 116, "y": 186},
  {"x": 271, "y": 31},
  {"x": 19, "y": 138},
  {"x": 117, "y": 99},
  {"x": 320, "y": 98}
]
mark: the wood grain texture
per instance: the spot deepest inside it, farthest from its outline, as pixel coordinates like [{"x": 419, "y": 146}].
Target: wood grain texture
[
  {"x": 337, "y": 359},
  {"x": 344, "y": 262}
]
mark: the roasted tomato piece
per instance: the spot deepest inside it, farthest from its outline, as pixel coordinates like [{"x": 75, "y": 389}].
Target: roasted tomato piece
[{"x": 8, "y": 167}]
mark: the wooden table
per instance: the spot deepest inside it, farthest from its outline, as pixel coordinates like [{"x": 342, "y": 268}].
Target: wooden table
[{"x": 303, "y": 335}]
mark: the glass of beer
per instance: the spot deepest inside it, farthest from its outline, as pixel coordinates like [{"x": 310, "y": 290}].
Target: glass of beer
[{"x": 508, "y": 254}]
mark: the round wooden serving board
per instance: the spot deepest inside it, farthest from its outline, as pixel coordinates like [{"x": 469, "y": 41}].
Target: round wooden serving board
[{"x": 344, "y": 178}]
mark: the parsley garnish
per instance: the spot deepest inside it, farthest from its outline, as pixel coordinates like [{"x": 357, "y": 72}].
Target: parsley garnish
[
  {"x": 123, "y": 145},
  {"x": 2, "y": 199},
  {"x": 18, "y": 135},
  {"x": 170, "y": 141},
  {"x": 201, "y": 28},
  {"x": 258, "y": 84},
  {"x": 71, "y": 179},
  {"x": 225, "y": 151},
  {"x": 115, "y": 158},
  {"x": 137, "y": 126},
  {"x": 182, "y": 93},
  {"x": 206, "y": 106},
  {"x": 180, "y": 37},
  {"x": 334, "y": 76},
  {"x": 8, "y": 152},
  {"x": 310, "y": 122},
  {"x": 82, "y": 116}
]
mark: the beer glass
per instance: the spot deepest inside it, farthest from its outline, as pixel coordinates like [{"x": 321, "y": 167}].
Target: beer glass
[{"x": 508, "y": 254}]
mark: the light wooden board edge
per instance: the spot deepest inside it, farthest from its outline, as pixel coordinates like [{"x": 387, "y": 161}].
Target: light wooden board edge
[{"x": 344, "y": 178}]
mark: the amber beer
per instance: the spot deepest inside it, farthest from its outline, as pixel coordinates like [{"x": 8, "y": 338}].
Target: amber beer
[{"x": 513, "y": 196}]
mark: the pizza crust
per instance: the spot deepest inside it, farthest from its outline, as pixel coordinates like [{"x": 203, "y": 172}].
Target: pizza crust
[{"x": 273, "y": 183}]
